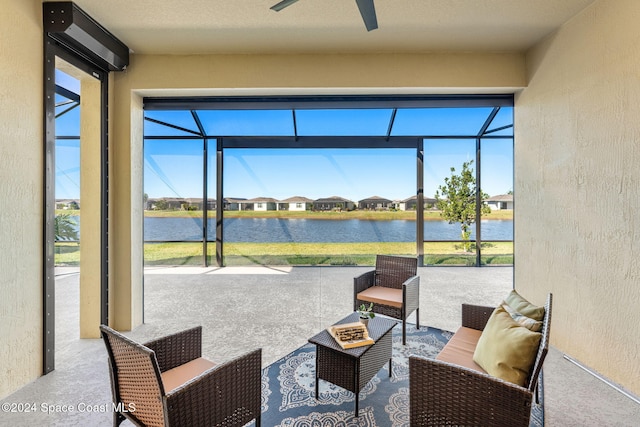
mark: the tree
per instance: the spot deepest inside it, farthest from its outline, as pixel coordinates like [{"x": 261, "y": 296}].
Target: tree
[
  {"x": 65, "y": 227},
  {"x": 161, "y": 205},
  {"x": 456, "y": 200}
]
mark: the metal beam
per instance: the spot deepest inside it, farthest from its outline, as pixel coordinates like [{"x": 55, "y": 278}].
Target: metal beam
[
  {"x": 176, "y": 127},
  {"x": 325, "y": 101},
  {"x": 48, "y": 244},
  {"x": 319, "y": 142},
  {"x": 67, "y": 93},
  {"x": 420, "y": 202},
  {"x": 219, "y": 204},
  {"x": 479, "y": 200},
  {"x": 391, "y": 122},
  {"x": 205, "y": 202},
  {"x": 487, "y": 122}
]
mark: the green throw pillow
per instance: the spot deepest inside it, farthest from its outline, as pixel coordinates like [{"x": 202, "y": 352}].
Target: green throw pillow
[
  {"x": 529, "y": 323},
  {"x": 505, "y": 349},
  {"x": 522, "y": 306}
]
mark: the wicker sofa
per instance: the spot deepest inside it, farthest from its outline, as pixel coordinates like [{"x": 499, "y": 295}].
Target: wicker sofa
[{"x": 454, "y": 390}]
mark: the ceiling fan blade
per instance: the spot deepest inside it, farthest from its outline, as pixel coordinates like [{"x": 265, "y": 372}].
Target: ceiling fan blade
[
  {"x": 368, "y": 12},
  {"x": 284, "y": 3}
]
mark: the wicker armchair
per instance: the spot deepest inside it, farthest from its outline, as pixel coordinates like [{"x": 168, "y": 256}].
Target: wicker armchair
[
  {"x": 442, "y": 393},
  {"x": 166, "y": 382},
  {"x": 393, "y": 287}
]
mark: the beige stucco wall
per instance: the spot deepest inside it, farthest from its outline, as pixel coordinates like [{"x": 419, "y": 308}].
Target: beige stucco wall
[
  {"x": 577, "y": 187},
  {"x": 432, "y": 73},
  {"x": 21, "y": 194},
  {"x": 90, "y": 201},
  {"x": 262, "y": 74},
  {"x": 126, "y": 209}
]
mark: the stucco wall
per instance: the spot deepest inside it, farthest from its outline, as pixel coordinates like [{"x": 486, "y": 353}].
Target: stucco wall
[
  {"x": 577, "y": 187},
  {"x": 21, "y": 166},
  {"x": 436, "y": 73}
]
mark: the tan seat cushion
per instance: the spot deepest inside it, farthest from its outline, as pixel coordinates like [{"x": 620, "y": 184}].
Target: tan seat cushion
[
  {"x": 382, "y": 295},
  {"x": 179, "y": 375},
  {"x": 459, "y": 350}
]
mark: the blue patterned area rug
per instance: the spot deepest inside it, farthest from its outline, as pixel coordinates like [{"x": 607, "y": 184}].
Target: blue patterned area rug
[{"x": 288, "y": 388}]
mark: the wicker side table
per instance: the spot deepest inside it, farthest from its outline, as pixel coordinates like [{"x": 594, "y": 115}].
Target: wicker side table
[{"x": 353, "y": 368}]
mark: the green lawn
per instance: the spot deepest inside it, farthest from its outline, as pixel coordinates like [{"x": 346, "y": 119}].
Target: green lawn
[
  {"x": 67, "y": 253},
  {"x": 436, "y": 253}
]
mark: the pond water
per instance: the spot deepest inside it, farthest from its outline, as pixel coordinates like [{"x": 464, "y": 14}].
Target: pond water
[{"x": 315, "y": 230}]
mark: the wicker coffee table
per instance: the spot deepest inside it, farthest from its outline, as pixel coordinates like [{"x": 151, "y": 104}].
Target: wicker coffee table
[{"x": 353, "y": 368}]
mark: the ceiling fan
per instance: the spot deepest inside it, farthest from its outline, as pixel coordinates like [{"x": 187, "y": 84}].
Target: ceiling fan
[{"x": 367, "y": 10}]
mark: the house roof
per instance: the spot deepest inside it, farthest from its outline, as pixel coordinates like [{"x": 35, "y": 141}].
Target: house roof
[
  {"x": 333, "y": 199},
  {"x": 330, "y": 26},
  {"x": 261, "y": 199},
  {"x": 374, "y": 199},
  {"x": 297, "y": 199},
  {"x": 415, "y": 198},
  {"x": 501, "y": 198}
]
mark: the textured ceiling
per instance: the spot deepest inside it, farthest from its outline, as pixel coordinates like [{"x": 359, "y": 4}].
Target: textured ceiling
[{"x": 329, "y": 26}]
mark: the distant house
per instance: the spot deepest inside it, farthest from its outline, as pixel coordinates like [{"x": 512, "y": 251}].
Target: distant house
[
  {"x": 67, "y": 204},
  {"x": 429, "y": 202},
  {"x": 212, "y": 204},
  {"x": 295, "y": 203},
  {"x": 333, "y": 203},
  {"x": 174, "y": 203},
  {"x": 500, "y": 202},
  {"x": 193, "y": 204},
  {"x": 232, "y": 203},
  {"x": 166, "y": 203},
  {"x": 411, "y": 203},
  {"x": 374, "y": 203},
  {"x": 260, "y": 204}
]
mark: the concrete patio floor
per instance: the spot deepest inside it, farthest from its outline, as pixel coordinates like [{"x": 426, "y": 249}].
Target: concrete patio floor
[{"x": 277, "y": 309}]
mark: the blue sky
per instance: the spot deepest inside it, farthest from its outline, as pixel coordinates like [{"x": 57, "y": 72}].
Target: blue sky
[
  {"x": 351, "y": 173},
  {"x": 173, "y": 168}
]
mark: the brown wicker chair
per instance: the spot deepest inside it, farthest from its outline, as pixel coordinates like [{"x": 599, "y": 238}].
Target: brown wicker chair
[
  {"x": 393, "y": 288},
  {"x": 166, "y": 382},
  {"x": 442, "y": 393}
]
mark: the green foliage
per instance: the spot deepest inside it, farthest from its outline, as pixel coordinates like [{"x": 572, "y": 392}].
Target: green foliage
[
  {"x": 456, "y": 200},
  {"x": 366, "y": 312},
  {"x": 65, "y": 227},
  {"x": 161, "y": 205}
]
